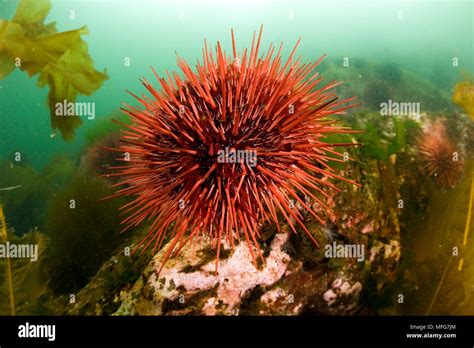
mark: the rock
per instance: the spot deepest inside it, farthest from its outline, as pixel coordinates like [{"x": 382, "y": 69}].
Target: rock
[
  {"x": 187, "y": 285},
  {"x": 330, "y": 296},
  {"x": 272, "y": 296},
  {"x": 343, "y": 296}
]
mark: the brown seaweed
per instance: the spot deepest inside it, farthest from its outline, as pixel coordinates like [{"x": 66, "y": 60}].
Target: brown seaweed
[{"x": 60, "y": 59}]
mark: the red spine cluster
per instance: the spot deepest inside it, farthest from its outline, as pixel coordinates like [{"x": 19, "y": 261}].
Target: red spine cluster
[{"x": 261, "y": 106}]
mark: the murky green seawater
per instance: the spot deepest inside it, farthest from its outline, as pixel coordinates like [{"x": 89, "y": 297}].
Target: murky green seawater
[{"x": 422, "y": 37}]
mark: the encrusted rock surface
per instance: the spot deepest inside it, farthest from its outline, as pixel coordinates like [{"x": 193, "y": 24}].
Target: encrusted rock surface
[{"x": 188, "y": 285}]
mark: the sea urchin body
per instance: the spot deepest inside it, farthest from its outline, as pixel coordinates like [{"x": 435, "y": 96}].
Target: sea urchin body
[
  {"x": 224, "y": 148},
  {"x": 439, "y": 157}
]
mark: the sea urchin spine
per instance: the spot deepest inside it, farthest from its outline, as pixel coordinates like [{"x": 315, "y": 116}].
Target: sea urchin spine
[{"x": 237, "y": 104}]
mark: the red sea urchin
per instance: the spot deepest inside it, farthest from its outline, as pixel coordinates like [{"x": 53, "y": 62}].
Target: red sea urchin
[
  {"x": 184, "y": 144},
  {"x": 439, "y": 157}
]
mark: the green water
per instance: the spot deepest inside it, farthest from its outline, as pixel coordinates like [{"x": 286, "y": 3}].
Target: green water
[{"x": 420, "y": 36}]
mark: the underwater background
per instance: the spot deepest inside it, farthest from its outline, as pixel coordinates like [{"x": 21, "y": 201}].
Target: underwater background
[{"x": 416, "y": 227}]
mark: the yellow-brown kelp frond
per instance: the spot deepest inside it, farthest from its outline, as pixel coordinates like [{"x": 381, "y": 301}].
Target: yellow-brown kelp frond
[
  {"x": 61, "y": 59},
  {"x": 463, "y": 95}
]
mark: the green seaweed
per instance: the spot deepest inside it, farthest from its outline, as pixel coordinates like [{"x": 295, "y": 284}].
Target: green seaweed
[
  {"x": 83, "y": 232},
  {"x": 383, "y": 136},
  {"x": 34, "y": 189}
]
